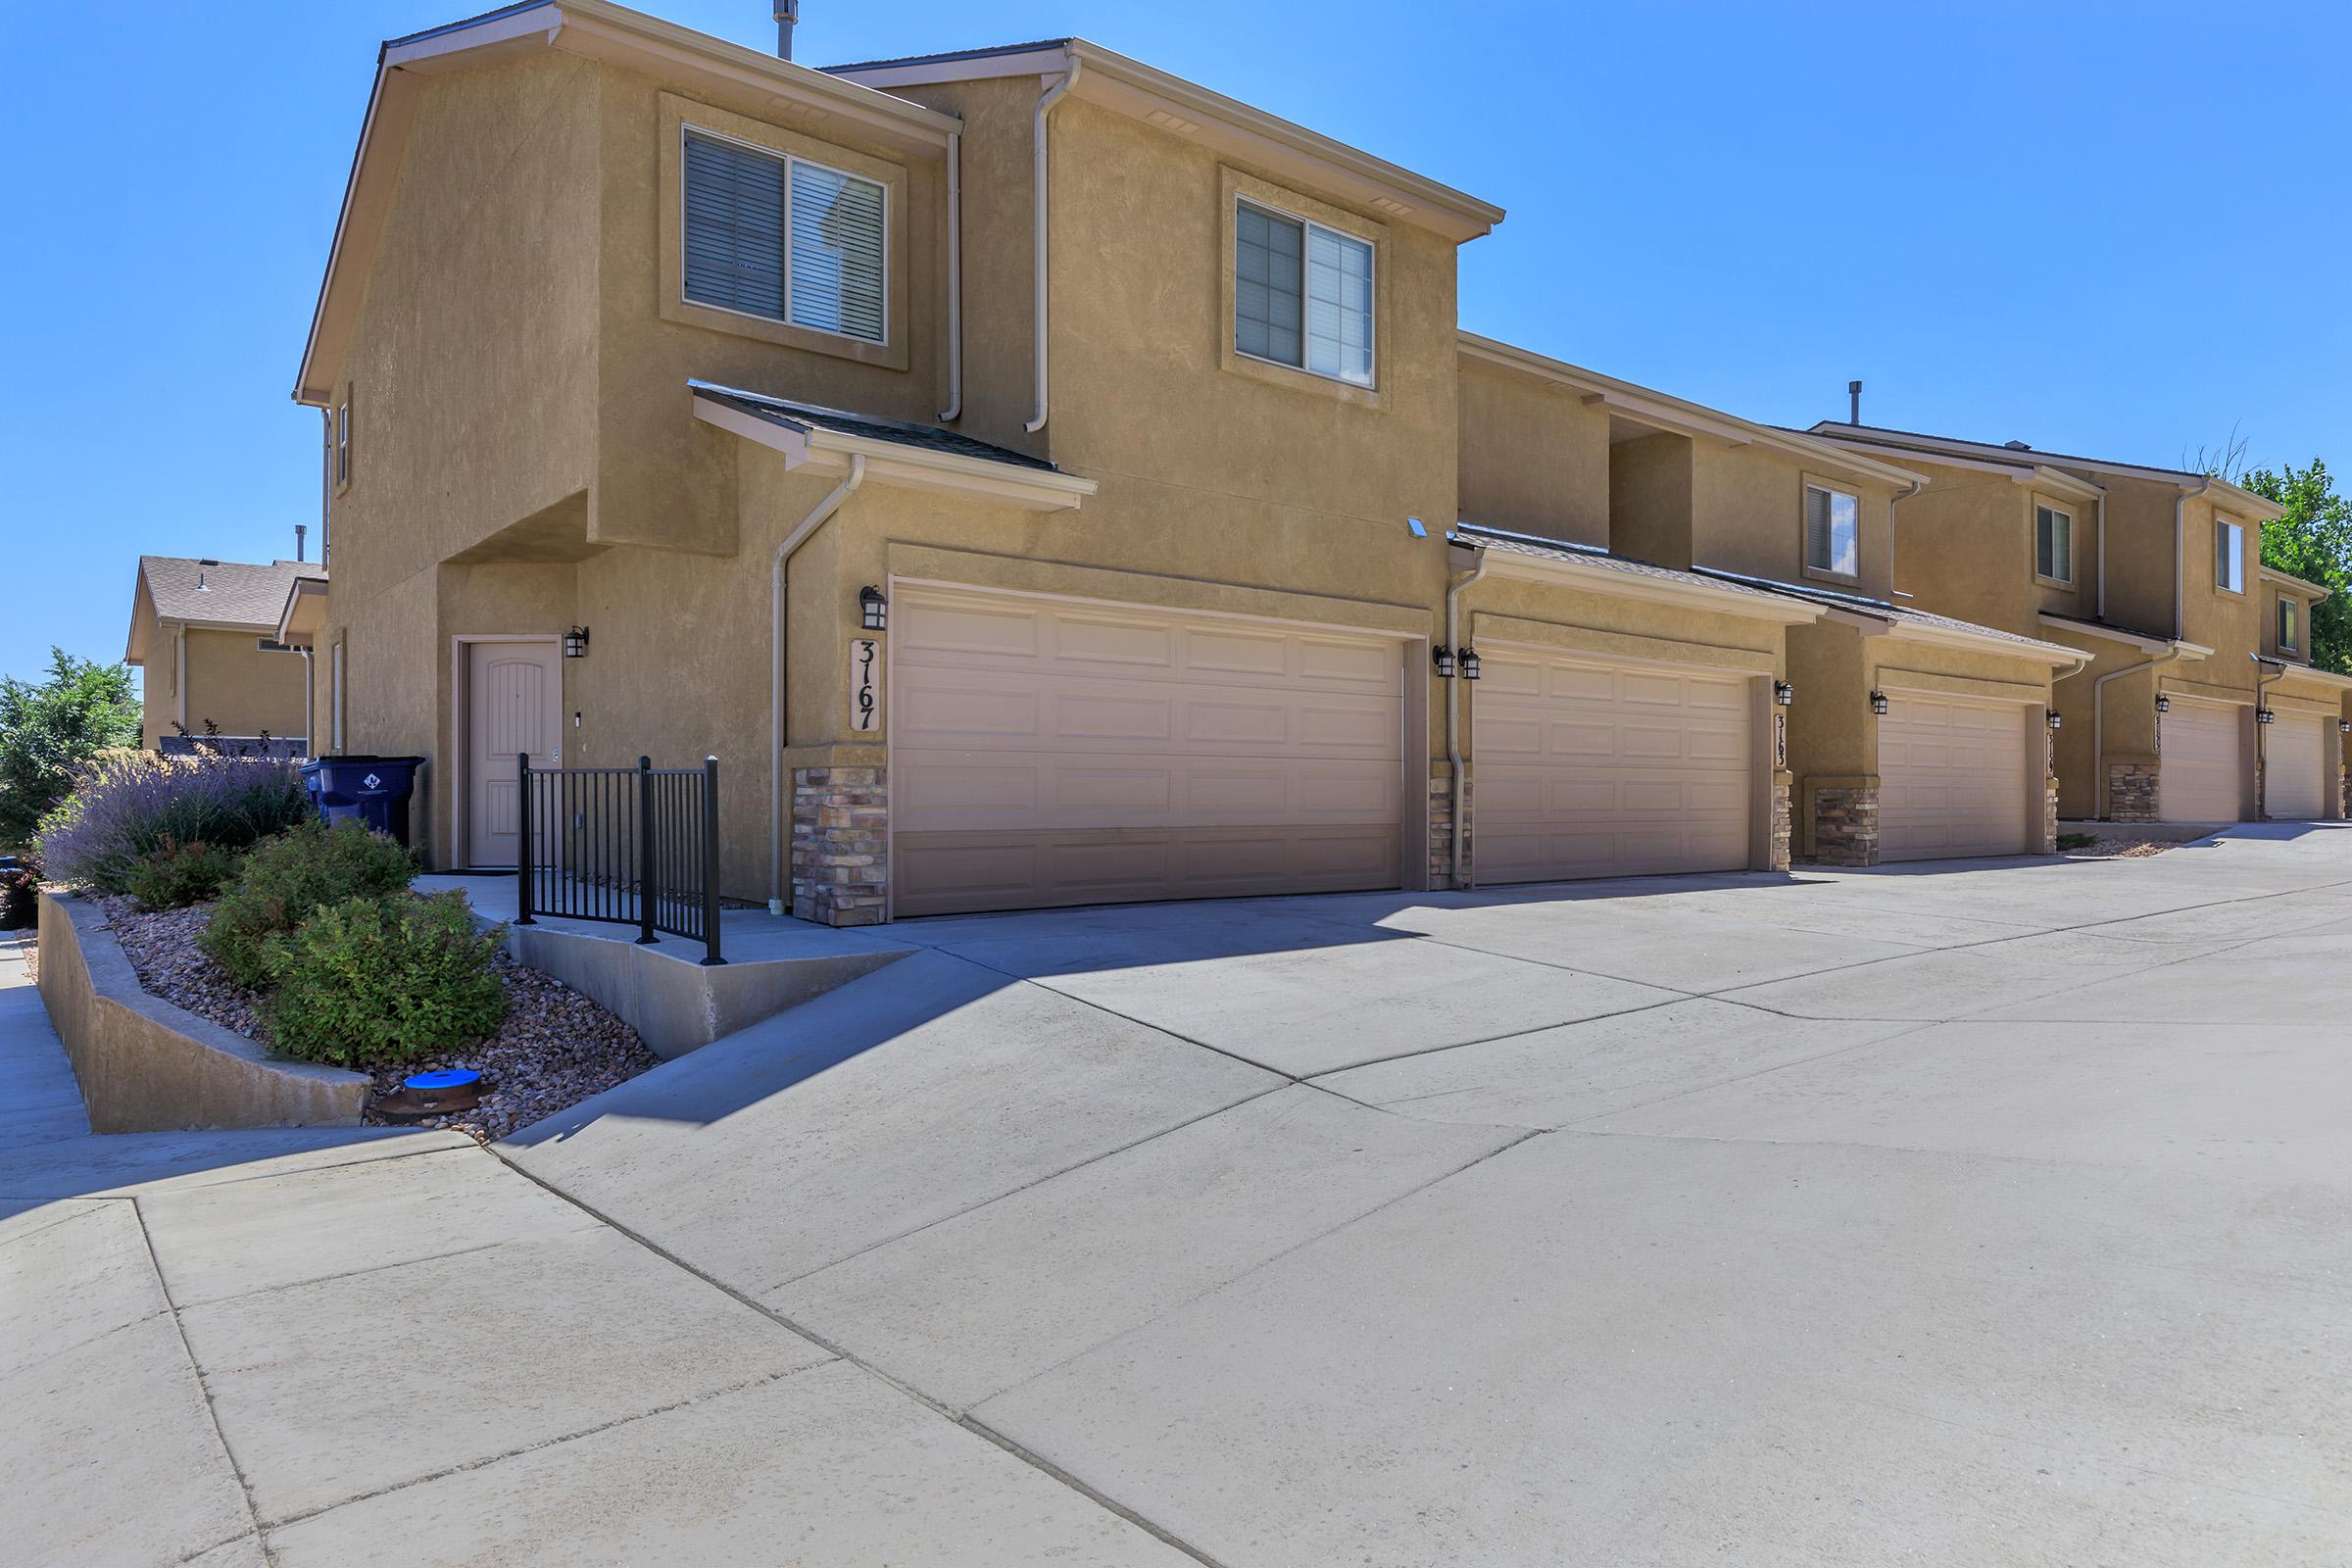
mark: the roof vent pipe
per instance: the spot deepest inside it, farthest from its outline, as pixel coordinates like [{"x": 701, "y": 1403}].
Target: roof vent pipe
[
  {"x": 1853, "y": 393},
  {"x": 788, "y": 14},
  {"x": 299, "y": 529}
]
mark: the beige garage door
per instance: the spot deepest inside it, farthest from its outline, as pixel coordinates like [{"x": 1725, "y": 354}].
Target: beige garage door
[
  {"x": 1951, "y": 778},
  {"x": 2293, "y": 767},
  {"x": 1051, "y": 752},
  {"x": 2198, "y": 777},
  {"x": 1595, "y": 769}
]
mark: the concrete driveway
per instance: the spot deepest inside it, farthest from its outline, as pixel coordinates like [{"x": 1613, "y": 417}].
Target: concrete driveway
[{"x": 1996, "y": 1212}]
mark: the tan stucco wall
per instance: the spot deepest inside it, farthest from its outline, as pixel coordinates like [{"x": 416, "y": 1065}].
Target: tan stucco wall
[
  {"x": 229, "y": 681},
  {"x": 1650, "y": 500},
  {"x": 1964, "y": 547},
  {"x": 1748, "y": 516},
  {"x": 1534, "y": 457}
]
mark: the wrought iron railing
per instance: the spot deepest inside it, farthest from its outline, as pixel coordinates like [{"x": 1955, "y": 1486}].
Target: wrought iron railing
[{"x": 633, "y": 846}]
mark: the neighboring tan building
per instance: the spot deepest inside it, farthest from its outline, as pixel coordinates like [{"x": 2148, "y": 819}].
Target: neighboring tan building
[
  {"x": 1907, "y": 735},
  {"x": 204, "y": 634},
  {"x": 2156, "y": 574}
]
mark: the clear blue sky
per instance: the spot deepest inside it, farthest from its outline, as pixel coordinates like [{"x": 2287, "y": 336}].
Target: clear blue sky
[{"x": 2109, "y": 227}]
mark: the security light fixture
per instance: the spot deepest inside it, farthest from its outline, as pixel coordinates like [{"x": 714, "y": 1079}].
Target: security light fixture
[
  {"x": 1468, "y": 659},
  {"x": 575, "y": 643},
  {"x": 873, "y": 611},
  {"x": 2263, "y": 715},
  {"x": 2050, "y": 716},
  {"x": 1443, "y": 657},
  {"x": 2164, "y": 704},
  {"x": 1878, "y": 702},
  {"x": 1782, "y": 693},
  {"x": 2343, "y": 726}
]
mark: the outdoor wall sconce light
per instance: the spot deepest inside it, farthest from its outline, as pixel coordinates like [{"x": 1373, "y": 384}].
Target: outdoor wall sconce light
[
  {"x": 2263, "y": 715},
  {"x": 1442, "y": 658},
  {"x": 2343, "y": 726},
  {"x": 1782, "y": 693},
  {"x": 1878, "y": 702},
  {"x": 873, "y": 611},
  {"x": 575, "y": 643},
  {"x": 2050, "y": 716},
  {"x": 2164, "y": 704},
  {"x": 1469, "y": 663}
]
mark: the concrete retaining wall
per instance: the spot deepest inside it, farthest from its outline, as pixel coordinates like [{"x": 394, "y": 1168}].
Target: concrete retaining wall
[{"x": 146, "y": 1065}]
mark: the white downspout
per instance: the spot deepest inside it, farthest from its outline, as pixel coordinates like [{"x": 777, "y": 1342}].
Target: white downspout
[
  {"x": 2181, "y": 555},
  {"x": 954, "y": 407},
  {"x": 1037, "y": 242},
  {"x": 775, "y": 672},
  {"x": 1917, "y": 485},
  {"x": 2262, "y": 750},
  {"x": 2099, "y": 794},
  {"x": 179, "y": 674},
  {"x": 309, "y": 704},
  {"x": 2101, "y": 504},
  {"x": 1453, "y": 705}
]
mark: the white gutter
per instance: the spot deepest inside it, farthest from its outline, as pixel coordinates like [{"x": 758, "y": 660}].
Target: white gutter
[
  {"x": 954, "y": 407},
  {"x": 1918, "y": 484},
  {"x": 2100, "y": 792},
  {"x": 1040, "y": 214},
  {"x": 1453, "y": 704},
  {"x": 2181, "y": 552},
  {"x": 775, "y": 673}
]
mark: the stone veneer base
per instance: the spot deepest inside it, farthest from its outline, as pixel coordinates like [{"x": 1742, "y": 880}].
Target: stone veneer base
[{"x": 840, "y": 845}]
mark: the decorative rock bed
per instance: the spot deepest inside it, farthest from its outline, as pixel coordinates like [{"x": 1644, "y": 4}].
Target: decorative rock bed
[{"x": 555, "y": 1050}]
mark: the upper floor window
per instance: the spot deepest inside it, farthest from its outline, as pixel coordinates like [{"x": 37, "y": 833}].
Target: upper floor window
[
  {"x": 2229, "y": 558},
  {"x": 1832, "y": 531},
  {"x": 340, "y": 457},
  {"x": 1302, "y": 294},
  {"x": 784, "y": 238},
  {"x": 2053, "y": 545},
  {"x": 2286, "y": 625}
]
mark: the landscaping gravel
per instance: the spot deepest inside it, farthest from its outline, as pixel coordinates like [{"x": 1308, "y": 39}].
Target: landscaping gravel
[
  {"x": 2123, "y": 848},
  {"x": 556, "y": 1049}
]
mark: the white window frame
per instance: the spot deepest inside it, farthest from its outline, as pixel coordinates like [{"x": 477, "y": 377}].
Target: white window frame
[
  {"x": 2290, "y": 625},
  {"x": 2041, "y": 509},
  {"x": 2229, "y": 546},
  {"x": 687, "y": 128},
  {"x": 339, "y": 447},
  {"x": 1371, "y": 381},
  {"x": 1805, "y": 543}
]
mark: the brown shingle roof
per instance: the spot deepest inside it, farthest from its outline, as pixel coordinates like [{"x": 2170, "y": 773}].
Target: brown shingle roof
[{"x": 235, "y": 592}]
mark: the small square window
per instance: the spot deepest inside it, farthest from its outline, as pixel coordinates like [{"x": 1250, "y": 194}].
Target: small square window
[
  {"x": 1302, "y": 294},
  {"x": 2229, "y": 558},
  {"x": 1832, "y": 531},
  {"x": 341, "y": 456},
  {"x": 2053, "y": 545}
]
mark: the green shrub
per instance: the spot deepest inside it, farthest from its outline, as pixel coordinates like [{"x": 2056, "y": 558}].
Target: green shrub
[
  {"x": 375, "y": 981},
  {"x": 175, "y": 875},
  {"x": 2077, "y": 841},
  {"x": 20, "y": 898},
  {"x": 287, "y": 877}
]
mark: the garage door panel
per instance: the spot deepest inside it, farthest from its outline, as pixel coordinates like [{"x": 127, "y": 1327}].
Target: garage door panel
[
  {"x": 1134, "y": 755},
  {"x": 2294, "y": 758},
  {"x": 1586, "y": 768},
  {"x": 1952, "y": 778},
  {"x": 2201, "y": 767}
]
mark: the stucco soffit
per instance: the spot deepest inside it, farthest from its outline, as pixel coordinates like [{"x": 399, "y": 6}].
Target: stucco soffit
[
  {"x": 2284, "y": 580},
  {"x": 2130, "y": 639},
  {"x": 1988, "y": 641},
  {"x": 828, "y": 452},
  {"x": 1597, "y": 579},
  {"x": 298, "y": 624}
]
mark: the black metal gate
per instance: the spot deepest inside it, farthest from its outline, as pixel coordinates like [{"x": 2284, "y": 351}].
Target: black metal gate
[{"x": 633, "y": 846}]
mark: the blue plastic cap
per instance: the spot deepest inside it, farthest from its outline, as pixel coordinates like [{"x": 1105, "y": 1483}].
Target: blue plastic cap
[{"x": 450, "y": 1078}]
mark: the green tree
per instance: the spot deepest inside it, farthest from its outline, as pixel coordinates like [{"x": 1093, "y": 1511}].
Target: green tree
[
  {"x": 2312, "y": 540},
  {"x": 49, "y": 729}
]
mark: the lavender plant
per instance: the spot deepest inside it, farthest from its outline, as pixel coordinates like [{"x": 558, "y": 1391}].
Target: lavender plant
[{"x": 126, "y": 804}]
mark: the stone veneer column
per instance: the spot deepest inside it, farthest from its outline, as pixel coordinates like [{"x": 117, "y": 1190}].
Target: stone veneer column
[
  {"x": 1441, "y": 828},
  {"x": 1784, "y": 822},
  {"x": 2130, "y": 792},
  {"x": 1845, "y": 823},
  {"x": 839, "y": 854},
  {"x": 2049, "y": 814}
]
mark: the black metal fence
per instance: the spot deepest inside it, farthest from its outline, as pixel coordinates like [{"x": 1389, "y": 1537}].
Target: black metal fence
[{"x": 634, "y": 846}]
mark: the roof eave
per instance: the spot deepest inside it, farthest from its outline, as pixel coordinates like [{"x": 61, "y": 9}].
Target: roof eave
[
  {"x": 1601, "y": 579},
  {"x": 826, "y": 452}
]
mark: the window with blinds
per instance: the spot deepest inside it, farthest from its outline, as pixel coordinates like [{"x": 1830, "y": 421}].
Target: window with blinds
[
  {"x": 2053, "y": 544},
  {"x": 1832, "y": 531},
  {"x": 1302, "y": 295},
  {"x": 784, "y": 238},
  {"x": 2229, "y": 558}
]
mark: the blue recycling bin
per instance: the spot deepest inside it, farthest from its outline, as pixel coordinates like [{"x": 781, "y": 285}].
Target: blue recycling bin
[{"x": 373, "y": 790}]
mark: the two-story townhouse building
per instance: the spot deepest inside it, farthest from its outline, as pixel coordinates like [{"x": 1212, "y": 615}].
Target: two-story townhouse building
[
  {"x": 204, "y": 636},
  {"x": 1021, "y": 449},
  {"x": 2198, "y": 703},
  {"x": 1892, "y": 733}
]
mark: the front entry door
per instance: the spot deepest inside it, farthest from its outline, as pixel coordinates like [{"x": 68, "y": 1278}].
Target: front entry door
[{"x": 513, "y": 704}]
